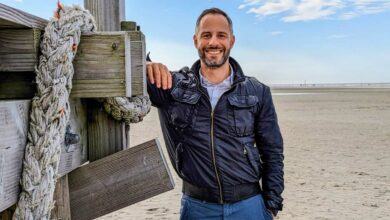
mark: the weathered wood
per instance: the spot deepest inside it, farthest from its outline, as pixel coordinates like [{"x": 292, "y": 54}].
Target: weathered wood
[
  {"x": 138, "y": 50},
  {"x": 14, "y": 18},
  {"x": 8, "y": 213},
  {"x": 75, "y": 154},
  {"x": 61, "y": 210},
  {"x": 19, "y": 49},
  {"x": 118, "y": 180},
  {"x": 105, "y": 135},
  {"x": 108, "y": 14},
  {"x": 103, "y": 66},
  {"x": 13, "y": 137},
  {"x": 17, "y": 85},
  {"x": 13, "y": 133}
]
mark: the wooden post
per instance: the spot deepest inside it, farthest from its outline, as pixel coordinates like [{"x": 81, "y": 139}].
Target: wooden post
[{"x": 104, "y": 133}]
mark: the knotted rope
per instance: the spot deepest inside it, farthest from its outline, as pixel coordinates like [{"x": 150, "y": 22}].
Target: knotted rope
[{"x": 50, "y": 111}]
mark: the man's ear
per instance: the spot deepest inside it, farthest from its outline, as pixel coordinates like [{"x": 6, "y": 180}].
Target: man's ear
[
  {"x": 195, "y": 41},
  {"x": 232, "y": 41}
]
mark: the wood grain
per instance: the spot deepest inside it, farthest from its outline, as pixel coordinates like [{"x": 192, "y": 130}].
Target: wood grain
[
  {"x": 118, "y": 180},
  {"x": 19, "y": 49},
  {"x": 13, "y": 133},
  {"x": 61, "y": 210},
  {"x": 14, "y": 18}
]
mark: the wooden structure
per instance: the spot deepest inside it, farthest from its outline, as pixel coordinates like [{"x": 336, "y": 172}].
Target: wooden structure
[{"x": 108, "y": 64}]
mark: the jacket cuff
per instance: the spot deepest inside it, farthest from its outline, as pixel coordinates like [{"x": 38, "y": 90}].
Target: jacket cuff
[{"x": 273, "y": 206}]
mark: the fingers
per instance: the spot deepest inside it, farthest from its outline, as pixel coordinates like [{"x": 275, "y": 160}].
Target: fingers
[
  {"x": 159, "y": 75},
  {"x": 149, "y": 69}
]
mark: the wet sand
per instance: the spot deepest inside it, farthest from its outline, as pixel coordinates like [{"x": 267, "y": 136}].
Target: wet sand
[{"x": 337, "y": 156}]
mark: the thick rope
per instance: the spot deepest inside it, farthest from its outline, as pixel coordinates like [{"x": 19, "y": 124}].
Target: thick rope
[
  {"x": 128, "y": 110},
  {"x": 50, "y": 111}
]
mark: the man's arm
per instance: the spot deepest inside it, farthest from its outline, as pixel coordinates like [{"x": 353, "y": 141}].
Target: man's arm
[
  {"x": 270, "y": 143},
  {"x": 159, "y": 82}
]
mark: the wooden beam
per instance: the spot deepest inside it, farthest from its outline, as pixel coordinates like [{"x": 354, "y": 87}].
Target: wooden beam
[
  {"x": 13, "y": 133},
  {"x": 138, "y": 50},
  {"x": 13, "y": 137},
  {"x": 61, "y": 210},
  {"x": 118, "y": 180},
  {"x": 107, "y": 64},
  {"x": 19, "y": 49},
  {"x": 100, "y": 66},
  {"x": 14, "y": 18}
]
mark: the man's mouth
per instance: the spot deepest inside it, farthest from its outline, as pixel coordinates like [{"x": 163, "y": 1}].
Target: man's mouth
[{"x": 214, "y": 51}]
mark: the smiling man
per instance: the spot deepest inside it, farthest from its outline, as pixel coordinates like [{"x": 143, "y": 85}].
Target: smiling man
[{"x": 221, "y": 130}]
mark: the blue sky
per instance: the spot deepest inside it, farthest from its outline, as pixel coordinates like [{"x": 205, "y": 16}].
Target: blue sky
[{"x": 277, "y": 41}]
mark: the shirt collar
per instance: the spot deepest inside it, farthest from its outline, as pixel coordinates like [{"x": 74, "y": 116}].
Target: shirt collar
[{"x": 228, "y": 81}]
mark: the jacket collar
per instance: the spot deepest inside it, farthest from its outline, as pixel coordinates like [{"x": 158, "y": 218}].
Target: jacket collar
[{"x": 238, "y": 74}]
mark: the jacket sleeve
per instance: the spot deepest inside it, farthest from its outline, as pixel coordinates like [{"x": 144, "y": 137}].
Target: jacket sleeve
[
  {"x": 157, "y": 96},
  {"x": 270, "y": 144}
]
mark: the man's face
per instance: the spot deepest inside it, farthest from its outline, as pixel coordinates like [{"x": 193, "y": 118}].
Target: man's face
[{"x": 214, "y": 40}]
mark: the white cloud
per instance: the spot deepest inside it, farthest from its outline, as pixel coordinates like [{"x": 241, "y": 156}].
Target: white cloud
[{"x": 306, "y": 10}]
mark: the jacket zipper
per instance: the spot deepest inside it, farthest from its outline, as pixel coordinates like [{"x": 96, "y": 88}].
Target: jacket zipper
[
  {"x": 212, "y": 138},
  {"x": 214, "y": 160}
]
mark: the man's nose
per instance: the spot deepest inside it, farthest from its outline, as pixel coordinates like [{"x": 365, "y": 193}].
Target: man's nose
[{"x": 213, "y": 41}]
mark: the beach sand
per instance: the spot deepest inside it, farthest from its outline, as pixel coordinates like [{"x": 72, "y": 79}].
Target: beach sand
[{"x": 337, "y": 157}]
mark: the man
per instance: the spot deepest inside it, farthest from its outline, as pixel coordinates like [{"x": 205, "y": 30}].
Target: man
[{"x": 221, "y": 130}]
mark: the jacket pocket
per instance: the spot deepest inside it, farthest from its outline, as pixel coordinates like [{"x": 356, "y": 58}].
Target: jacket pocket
[
  {"x": 241, "y": 114},
  {"x": 253, "y": 158},
  {"x": 182, "y": 109}
]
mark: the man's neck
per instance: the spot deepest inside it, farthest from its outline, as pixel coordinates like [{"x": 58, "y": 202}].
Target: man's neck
[{"x": 217, "y": 75}]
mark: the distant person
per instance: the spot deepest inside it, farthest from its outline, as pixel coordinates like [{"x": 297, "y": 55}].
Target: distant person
[{"x": 221, "y": 130}]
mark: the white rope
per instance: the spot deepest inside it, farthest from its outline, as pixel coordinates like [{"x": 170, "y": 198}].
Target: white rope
[
  {"x": 128, "y": 110},
  {"x": 50, "y": 111}
]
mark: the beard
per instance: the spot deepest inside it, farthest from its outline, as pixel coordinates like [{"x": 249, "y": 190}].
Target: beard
[{"x": 211, "y": 63}]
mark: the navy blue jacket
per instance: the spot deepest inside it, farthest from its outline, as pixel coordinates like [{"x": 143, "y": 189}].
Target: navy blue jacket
[{"x": 237, "y": 143}]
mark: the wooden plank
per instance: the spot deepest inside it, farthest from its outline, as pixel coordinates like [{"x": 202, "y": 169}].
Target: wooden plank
[
  {"x": 107, "y": 14},
  {"x": 100, "y": 66},
  {"x": 19, "y": 49},
  {"x": 105, "y": 135},
  {"x": 13, "y": 133},
  {"x": 14, "y": 18},
  {"x": 17, "y": 85},
  {"x": 8, "y": 213},
  {"x": 61, "y": 210},
  {"x": 75, "y": 154},
  {"x": 13, "y": 137},
  {"x": 119, "y": 180}
]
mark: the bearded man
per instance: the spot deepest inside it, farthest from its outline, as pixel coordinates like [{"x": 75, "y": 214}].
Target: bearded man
[{"x": 221, "y": 130}]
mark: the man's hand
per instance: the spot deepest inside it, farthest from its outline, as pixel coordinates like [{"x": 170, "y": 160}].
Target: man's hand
[{"x": 159, "y": 75}]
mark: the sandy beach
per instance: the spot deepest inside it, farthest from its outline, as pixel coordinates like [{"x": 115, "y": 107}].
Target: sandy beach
[{"x": 337, "y": 156}]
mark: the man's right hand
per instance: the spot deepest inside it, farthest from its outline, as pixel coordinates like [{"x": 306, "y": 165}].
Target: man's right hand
[{"x": 159, "y": 75}]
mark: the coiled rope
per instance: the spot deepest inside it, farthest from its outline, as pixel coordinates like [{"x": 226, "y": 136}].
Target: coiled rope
[{"x": 50, "y": 110}]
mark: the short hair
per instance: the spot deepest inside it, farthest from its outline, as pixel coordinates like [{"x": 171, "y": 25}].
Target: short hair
[{"x": 213, "y": 11}]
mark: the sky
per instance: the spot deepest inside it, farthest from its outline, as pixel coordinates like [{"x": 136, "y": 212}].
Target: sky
[{"x": 277, "y": 41}]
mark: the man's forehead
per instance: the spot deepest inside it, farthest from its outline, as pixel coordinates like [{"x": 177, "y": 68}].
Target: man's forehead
[{"x": 212, "y": 19}]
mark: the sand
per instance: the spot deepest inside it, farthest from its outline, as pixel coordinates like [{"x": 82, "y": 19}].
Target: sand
[{"x": 337, "y": 157}]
